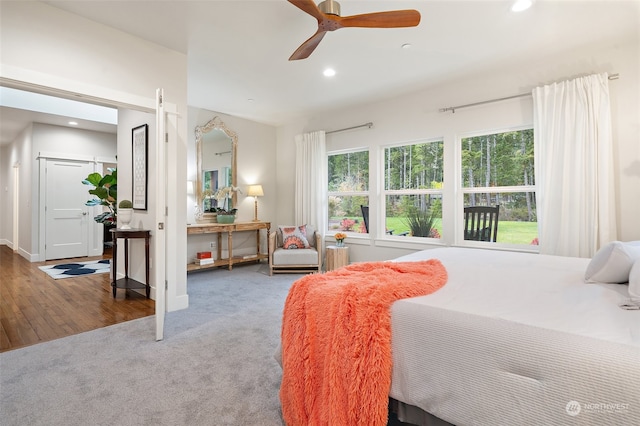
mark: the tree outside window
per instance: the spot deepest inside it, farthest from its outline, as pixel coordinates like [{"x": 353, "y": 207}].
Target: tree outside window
[
  {"x": 498, "y": 169},
  {"x": 413, "y": 183},
  {"x": 348, "y": 174}
]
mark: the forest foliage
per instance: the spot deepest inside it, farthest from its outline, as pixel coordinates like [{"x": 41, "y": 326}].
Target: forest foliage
[{"x": 414, "y": 177}]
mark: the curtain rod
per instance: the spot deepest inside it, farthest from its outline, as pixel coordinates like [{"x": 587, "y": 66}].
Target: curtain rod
[
  {"x": 522, "y": 95},
  {"x": 369, "y": 124}
]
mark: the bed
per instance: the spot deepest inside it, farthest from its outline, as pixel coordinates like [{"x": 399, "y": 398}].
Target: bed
[{"x": 514, "y": 339}]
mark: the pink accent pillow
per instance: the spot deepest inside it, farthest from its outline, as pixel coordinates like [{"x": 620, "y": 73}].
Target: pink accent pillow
[{"x": 294, "y": 237}]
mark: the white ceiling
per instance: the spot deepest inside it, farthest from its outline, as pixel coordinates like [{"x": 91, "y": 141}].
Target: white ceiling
[{"x": 238, "y": 50}]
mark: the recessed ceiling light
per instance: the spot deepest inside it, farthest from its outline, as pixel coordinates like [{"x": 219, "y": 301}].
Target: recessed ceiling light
[
  {"x": 406, "y": 46},
  {"x": 520, "y": 5},
  {"x": 73, "y": 123},
  {"x": 329, "y": 72}
]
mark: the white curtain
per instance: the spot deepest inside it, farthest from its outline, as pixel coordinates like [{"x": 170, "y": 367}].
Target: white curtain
[
  {"x": 574, "y": 166},
  {"x": 311, "y": 180}
]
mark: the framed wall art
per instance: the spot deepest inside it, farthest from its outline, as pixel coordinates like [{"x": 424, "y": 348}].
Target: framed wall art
[{"x": 140, "y": 144}]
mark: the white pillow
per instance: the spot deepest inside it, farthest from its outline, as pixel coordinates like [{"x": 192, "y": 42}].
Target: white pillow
[
  {"x": 634, "y": 281},
  {"x": 612, "y": 263}
]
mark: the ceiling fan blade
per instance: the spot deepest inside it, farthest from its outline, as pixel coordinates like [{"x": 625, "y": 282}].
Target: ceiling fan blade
[
  {"x": 391, "y": 19},
  {"x": 308, "y": 46},
  {"x": 309, "y": 7}
]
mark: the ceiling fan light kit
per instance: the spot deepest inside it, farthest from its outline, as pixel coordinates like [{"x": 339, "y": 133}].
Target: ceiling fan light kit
[{"x": 328, "y": 16}]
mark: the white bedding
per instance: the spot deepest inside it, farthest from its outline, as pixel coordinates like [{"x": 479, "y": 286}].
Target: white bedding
[{"x": 512, "y": 339}]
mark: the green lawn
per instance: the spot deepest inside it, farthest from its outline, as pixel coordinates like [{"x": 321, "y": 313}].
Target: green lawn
[
  {"x": 517, "y": 232},
  {"x": 508, "y": 232}
]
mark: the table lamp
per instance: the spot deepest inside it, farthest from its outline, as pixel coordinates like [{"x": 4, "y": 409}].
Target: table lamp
[{"x": 255, "y": 191}]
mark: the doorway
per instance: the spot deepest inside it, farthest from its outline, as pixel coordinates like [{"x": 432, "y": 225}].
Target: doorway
[{"x": 66, "y": 216}]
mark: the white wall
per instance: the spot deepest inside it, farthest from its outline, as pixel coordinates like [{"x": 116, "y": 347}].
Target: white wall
[
  {"x": 416, "y": 116},
  {"x": 256, "y": 161},
  {"x": 60, "y": 53},
  {"x": 23, "y": 151},
  {"x": 66, "y": 142},
  {"x": 141, "y": 219},
  {"x": 17, "y": 154}
]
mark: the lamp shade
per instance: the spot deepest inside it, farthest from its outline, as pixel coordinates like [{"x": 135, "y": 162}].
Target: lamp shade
[{"x": 255, "y": 191}]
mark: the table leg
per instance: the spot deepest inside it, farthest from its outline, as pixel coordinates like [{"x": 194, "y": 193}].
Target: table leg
[
  {"x": 126, "y": 258},
  {"x": 146, "y": 254},
  {"x": 114, "y": 265},
  {"x": 230, "y": 245},
  {"x": 258, "y": 242}
]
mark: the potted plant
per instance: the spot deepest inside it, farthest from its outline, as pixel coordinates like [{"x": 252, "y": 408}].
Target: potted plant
[
  {"x": 226, "y": 212},
  {"x": 106, "y": 191},
  {"x": 420, "y": 222},
  {"x": 125, "y": 212}
]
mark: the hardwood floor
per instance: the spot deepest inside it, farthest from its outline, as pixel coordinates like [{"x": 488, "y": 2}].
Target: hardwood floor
[{"x": 35, "y": 308}]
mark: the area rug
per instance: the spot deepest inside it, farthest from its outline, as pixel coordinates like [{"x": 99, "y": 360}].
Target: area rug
[{"x": 77, "y": 269}]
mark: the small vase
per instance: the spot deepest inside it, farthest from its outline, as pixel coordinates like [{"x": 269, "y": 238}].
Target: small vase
[
  {"x": 339, "y": 243},
  {"x": 226, "y": 218},
  {"x": 125, "y": 216},
  {"x": 197, "y": 213}
]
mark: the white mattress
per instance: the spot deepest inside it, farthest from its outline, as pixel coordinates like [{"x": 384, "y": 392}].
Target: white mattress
[{"x": 512, "y": 339}]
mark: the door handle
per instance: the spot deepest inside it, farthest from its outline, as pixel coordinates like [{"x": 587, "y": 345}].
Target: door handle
[{"x": 84, "y": 213}]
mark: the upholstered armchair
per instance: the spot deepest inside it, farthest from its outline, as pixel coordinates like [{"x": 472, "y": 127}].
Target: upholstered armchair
[{"x": 295, "y": 249}]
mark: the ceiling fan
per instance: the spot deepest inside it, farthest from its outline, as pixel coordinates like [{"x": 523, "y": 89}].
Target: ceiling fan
[{"x": 328, "y": 15}]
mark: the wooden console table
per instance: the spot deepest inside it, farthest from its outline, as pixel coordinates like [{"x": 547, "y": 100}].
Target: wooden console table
[
  {"x": 229, "y": 228},
  {"x": 127, "y": 282}
]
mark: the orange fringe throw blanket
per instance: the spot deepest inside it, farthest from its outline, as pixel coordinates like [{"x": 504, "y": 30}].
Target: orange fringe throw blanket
[{"x": 336, "y": 341}]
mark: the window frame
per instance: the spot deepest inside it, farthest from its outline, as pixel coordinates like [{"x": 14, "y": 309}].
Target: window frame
[
  {"x": 367, "y": 194},
  {"x": 462, "y": 191},
  {"x": 380, "y": 226}
]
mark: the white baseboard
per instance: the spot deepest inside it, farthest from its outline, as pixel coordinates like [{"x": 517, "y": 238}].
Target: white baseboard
[
  {"x": 180, "y": 302},
  {"x": 30, "y": 257}
]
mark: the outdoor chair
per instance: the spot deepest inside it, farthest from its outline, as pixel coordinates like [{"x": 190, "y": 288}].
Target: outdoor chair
[
  {"x": 365, "y": 218},
  {"x": 481, "y": 223}
]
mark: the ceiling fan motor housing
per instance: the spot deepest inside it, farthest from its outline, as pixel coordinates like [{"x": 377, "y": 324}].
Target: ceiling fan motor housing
[{"x": 330, "y": 7}]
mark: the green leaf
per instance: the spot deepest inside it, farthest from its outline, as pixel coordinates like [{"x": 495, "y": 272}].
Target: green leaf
[
  {"x": 104, "y": 217},
  {"x": 100, "y": 192},
  {"x": 107, "y": 180},
  {"x": 93, "y": 179}
]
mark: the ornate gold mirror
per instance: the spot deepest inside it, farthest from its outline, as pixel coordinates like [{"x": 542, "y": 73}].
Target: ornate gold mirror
[{"x": 216, "y": 147}]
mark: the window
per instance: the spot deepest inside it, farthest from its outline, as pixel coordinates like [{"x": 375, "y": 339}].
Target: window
[
  {"x": 348, "y": 174},
  {"x": 497, "y": 169},
  {"x": 413, "y": 183}
]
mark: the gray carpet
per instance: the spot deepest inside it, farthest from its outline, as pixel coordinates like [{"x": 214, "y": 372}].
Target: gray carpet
[{"x": 214, "y": 367}]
